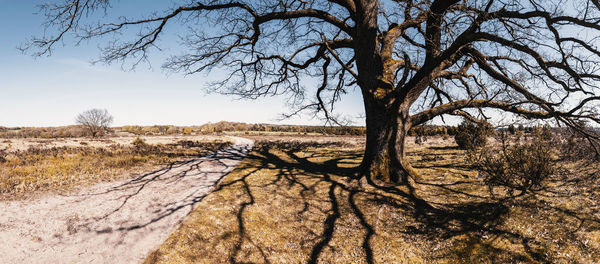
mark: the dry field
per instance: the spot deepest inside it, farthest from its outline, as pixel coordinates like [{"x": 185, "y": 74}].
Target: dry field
[
  {"x": 21, "y": 144},
  {"x": 33, "y": 166},
  {"x": 295, "y": 201}
]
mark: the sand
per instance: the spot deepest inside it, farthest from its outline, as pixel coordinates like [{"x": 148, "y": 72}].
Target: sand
[{"x": 118, "y": 222}]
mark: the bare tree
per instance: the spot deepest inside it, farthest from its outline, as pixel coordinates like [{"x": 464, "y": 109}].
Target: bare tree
[
  {"x": 96, "y": 121},
  {"x": 412, "y": 60}
]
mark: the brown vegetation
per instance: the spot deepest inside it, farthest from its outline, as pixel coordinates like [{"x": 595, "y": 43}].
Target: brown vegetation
[
  {"x": 297, "y": 202},
  {"x": 471, "y": 135},
  {"x": 64, "y": 168}
]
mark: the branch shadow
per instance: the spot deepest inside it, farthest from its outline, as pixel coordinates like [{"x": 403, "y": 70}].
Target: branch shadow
[
  {"x": 569, "y": 189},
  {"x": 191, "y": 179},
  {"x": 480, "y": 219},
  {"x": 298, "y": 203}
]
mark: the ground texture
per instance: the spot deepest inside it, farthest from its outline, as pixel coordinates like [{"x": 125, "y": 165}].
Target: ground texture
[
  {"x": 119, "y": 222},
  {"x": 293, "y": 201}
]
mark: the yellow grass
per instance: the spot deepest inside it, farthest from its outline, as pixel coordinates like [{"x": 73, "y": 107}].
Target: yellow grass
[
  {"x": 289, "y": 204},
  {"x": 37, "y": 170}
]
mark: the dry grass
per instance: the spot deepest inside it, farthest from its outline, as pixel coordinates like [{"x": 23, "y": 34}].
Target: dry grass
[
  {"x": 21, "y": 144},
  {"x": 297, "y": 203},
  {"x": 36, "y": 170}
]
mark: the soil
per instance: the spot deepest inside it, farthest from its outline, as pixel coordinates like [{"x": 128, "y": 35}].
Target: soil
[{"x": 118, "y": 222}]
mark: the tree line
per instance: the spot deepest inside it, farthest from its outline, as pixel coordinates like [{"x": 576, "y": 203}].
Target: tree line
[{"x": 75, "y": 131}]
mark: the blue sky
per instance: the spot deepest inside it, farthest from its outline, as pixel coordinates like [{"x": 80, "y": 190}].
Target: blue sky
[{"x": 51, "y": 91}]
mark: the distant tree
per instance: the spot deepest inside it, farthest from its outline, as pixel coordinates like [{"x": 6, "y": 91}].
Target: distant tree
[
  {"x": 96, "y": 121},
  {"x": 411, "y": 60},
  {"x": 545, "y": 132},
  {"x": 511, "y": 129}
]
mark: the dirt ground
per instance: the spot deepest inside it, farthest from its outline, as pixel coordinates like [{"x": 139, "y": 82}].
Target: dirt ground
[
  {"x": 119, "y": 222},
  {"x": 298, "y": 201}
]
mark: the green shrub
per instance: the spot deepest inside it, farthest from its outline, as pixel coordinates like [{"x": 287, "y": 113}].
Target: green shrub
[{"x": 472, "y": 135}]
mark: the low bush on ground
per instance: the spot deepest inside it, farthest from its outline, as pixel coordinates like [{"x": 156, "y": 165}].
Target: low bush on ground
[
  {"x": 517, "y": 166},
  {"x": 3, "y": 155},
  {"x": 472, "y": 135},
  {"x": 139, "y": 143},
  {"x": 576, "y": 146},
  {"x": 299, "y": 145}
]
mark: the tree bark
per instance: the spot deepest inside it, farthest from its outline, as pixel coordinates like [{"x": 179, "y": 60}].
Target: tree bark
[
  {"x": 387, "y": 117},
  {"x": 387, "y": 128}
]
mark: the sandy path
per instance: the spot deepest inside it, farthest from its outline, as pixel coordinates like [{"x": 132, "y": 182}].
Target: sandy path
[{"x": 119, "y": 222}]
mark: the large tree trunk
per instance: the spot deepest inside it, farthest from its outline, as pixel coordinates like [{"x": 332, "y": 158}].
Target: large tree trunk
[
  {"x": 387, "y": 129},
  {"x": 386, "y": 112}
]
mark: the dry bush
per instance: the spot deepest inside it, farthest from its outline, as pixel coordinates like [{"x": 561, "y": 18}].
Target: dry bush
[
  {"x": 472, "y": 135},
  {"x": 574, "y": 146},
  {"x": 209, "y": 146},
  {"x": 139, "y": 144},
  {"x": 197, "y": 144},
  {"x": 419, "y": 140},
  {"x": 545, "y": 132},
  {"x": 520, "y": 166},
  {"x": 3, "y": 155}
]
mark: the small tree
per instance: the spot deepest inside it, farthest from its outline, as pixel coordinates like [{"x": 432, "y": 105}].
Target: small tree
[
  {"x": 96, "y": 121},
  {"x": 511, "y": 129}
]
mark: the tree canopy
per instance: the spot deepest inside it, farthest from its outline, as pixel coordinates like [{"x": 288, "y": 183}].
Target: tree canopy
[
  {"x": 96, "y": 121},
  {"x": 412, "y": 60}
]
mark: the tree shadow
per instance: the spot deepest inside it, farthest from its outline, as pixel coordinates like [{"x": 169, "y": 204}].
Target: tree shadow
[
  {"x": 476, "y": 221},
  {"x": 564, "y": 197},
  {"x": 193, "y": 179},
  {"x": 304, "y": 204},
  {"x": 450, "y": 147}
]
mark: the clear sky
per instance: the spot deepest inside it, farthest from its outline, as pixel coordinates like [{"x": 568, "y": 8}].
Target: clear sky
[{"x": 51, "y": 91}]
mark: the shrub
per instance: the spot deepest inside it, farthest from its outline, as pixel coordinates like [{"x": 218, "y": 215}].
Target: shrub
[
  {"x": 511, "y": 129},
  {"x": 545, "y": 132},
  {"x": 522, "y": 167},
  {"x": 265, "y": 145},
  {"x": 575, "y": 146},
  {"x": 472, "y": 135},
  {"x": 139, "y": 143},
  {"x": 3, "y": 155},
  {"x": 419, "y": 140},
  {"x": 445, "y": 137}
]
